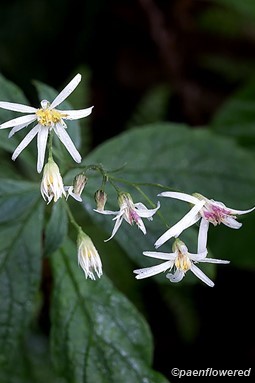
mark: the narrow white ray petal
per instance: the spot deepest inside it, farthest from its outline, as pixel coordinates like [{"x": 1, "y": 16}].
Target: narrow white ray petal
[
  {"x": 16, "y": 129},
  {"x": 26, "y": 140},
  {"x": 159, "y": 255},
  {"x": 66, "y": 140},
  {"x": 116, "y": 227},
  {"x": 176, "y": 277},
  {"x": 153, "y": 270},
  {"x": 213, "y": 260},
  {"x": 66, "y": 91},
  {"x": 17, "y": 107},
  {"x": 198, "y": 257},
  {"x": 202, "y": 235},
  {"x": 189, "y": 219},
  {"x": 239, "y": 212},
  {"x": 75, "y": 114},
  {"x": 107, "y": 212},
  {"x": 181, "y": 196},
  {"x": 143, "y": 212},
  {"x": 199, "y": 273},
  {"x": 41, "y": 146},
  {"x": 141, "y": 225},
  {"x": 75, "y": 196},
  {"x": 231, "y": 222},
  {"x": 18, "y": 121}
]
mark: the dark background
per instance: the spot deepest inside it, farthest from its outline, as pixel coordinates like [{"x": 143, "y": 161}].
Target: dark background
[{"x": 203, "y": 51}]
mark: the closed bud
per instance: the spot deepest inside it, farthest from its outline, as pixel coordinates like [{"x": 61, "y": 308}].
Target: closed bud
[{"x": 100, "y": 198}]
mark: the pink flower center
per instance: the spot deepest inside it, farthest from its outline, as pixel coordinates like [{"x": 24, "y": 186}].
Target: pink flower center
[{"x": 215, "y": 214}]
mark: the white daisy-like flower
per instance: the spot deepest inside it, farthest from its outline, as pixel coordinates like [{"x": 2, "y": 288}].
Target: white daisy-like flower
[
  {"x": 131, "y": 212},
  {"x": 47, "y": 118},
  {"x": 52, "y": 184},
  {"x": 208, "y": 210},
  {"x": 181, "y": 260},
  {"x": 88, "y": 257}
]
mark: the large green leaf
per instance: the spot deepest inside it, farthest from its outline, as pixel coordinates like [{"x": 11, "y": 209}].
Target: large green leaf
[
  {"x": 184, "y": 159},
  {"x": 56, "y": 229},
  {"x": 9, "y": 92},
  {"x": 20, "y": 260},
  {"x": 97, "y": 335}
]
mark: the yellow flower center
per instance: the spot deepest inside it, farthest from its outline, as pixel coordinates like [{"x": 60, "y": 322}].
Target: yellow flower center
[
  {"x": 48, "y": 117},
  {"x": 182, "y": 262}
]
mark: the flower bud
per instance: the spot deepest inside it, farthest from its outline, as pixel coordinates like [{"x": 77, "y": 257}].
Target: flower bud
[{"x": 100, "y": 198}]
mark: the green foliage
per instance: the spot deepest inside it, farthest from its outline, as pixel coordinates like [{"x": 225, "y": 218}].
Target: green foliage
[
  {"x": 97, "y": 335},
  {"x": 21, "y": 222},
  {"x": 186, "y": 160}
]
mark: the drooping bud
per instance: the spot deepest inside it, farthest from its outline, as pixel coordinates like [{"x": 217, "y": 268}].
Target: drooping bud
[
  {"x": 88, "y": 257},
  {"x": 100, "y": 198},
  {"x": 52, "y": 184}
]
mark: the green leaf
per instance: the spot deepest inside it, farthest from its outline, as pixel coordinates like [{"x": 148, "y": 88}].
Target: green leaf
[
  {"x": 182, "y": 159},
  {"x": 11, "y": 93},
  {"x": 97, "y": 335},
  {"x": 56, "y": 229},
  {"x": 20, "y": 260}
]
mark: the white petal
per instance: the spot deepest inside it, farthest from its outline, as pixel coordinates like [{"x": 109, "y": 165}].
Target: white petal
[
  {"x": 239, "y": 212},
  {"x": 231, "y": 222},
  {"x": 189, "y": 219},
  {"x": 153, "y": 270},
  {"x": 107, "y": 212},
  {"x": 141, "y": 225},
  {"x": 17, "y": 107},
  {"x": 41, "y": 146},
  {"x": 176, "y": 277},
  {"x": 26, "y": 140},
  {"x": 66, "y": 91},
  {"x": 18, "y": 121},
  {"x": 202, "y": 235},
  {"x": 76, "y": 114},
  {"x": 181, "y": 196},
  {"x": 143, "y": 212},
  {"x": 199, "y": 273},
  {"x": 159, "y": 255},
  {"x": 198, "y": 257},
  {"x": 213, "y": 260},
  {"x": 16, "y": 129},
  {"x": 116, "y": 227},
  {"x": 66, "y": 140}
]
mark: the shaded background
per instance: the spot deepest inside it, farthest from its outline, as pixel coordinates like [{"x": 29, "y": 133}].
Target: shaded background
[{"x": 200, "y": 53}]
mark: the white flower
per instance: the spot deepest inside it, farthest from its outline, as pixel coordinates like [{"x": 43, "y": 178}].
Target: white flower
[
  {"x": 47, "y": 118},
  {"x": 181, "y": 260},
  {"x": 131, "y": 212},
  {"x": 208, "y": 210},
  {"x": 52, "y": 183},
  {"x": 88, "y": 257}
]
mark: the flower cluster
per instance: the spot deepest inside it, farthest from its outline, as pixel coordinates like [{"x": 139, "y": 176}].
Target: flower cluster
[
  {"x": 207, "y": 211},
  {"x": 49, "y": 121}
]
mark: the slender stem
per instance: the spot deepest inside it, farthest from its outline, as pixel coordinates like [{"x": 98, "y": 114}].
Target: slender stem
[{"x": 50, "y": 145}]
